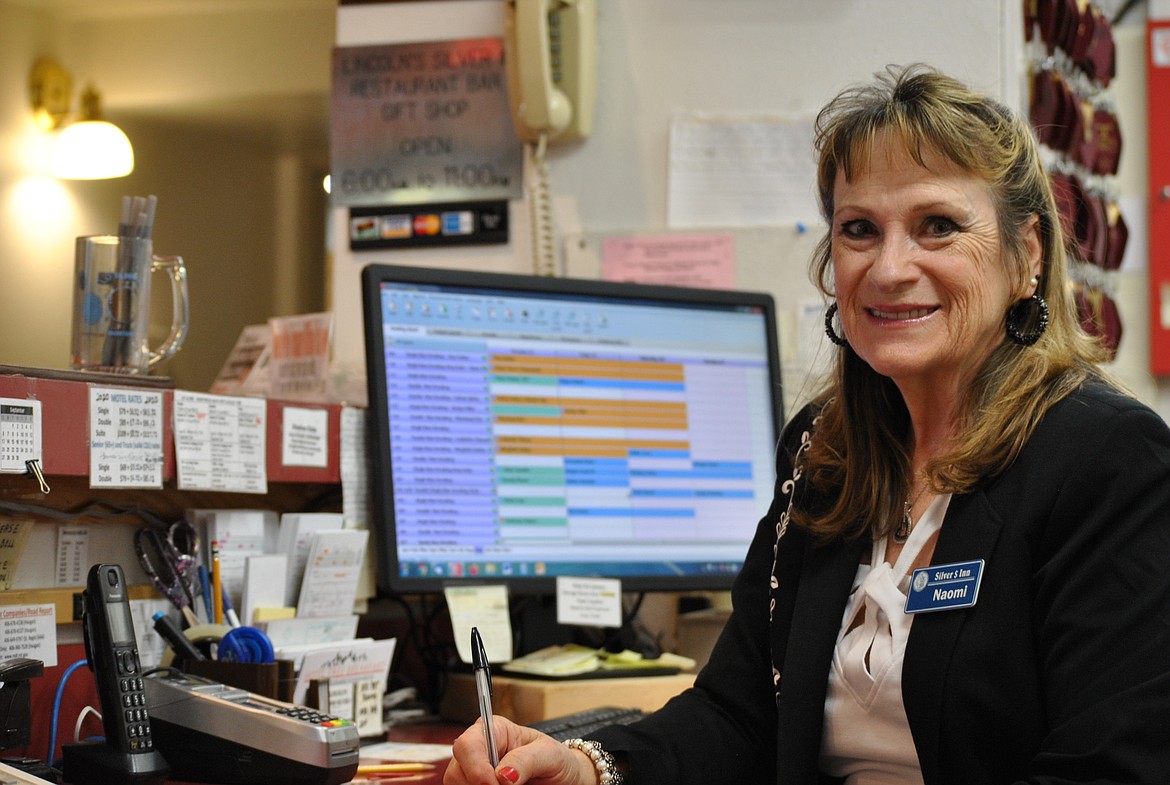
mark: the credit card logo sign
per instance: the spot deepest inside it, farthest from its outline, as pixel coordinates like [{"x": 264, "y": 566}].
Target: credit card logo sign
[
  {"x": 462, "y": 222},
  {"x": 426, "y": 224},
  {"x": 396, "y": 227},
  {"x": 363, "y": 228}
]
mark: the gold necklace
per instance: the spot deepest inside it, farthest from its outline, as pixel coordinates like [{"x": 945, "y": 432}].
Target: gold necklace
[{"x": 902, "y": 533}]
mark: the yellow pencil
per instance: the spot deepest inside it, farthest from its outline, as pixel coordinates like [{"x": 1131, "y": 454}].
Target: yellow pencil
[
  {"x": 216, "y": 583},
  {"x": 382, "y": 768}
]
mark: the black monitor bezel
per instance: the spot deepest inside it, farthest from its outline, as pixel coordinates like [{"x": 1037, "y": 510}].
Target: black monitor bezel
[{"x": 389, "y": 582}]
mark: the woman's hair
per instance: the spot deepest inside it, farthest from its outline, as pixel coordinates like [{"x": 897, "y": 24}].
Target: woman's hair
[{"x": 860, "y": 453}]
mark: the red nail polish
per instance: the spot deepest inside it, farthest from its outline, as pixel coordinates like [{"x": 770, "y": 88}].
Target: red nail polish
[{"x": 510, "y": 774}]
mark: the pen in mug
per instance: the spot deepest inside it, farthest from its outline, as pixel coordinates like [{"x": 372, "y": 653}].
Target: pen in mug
[{"x": 483, "y": 691}]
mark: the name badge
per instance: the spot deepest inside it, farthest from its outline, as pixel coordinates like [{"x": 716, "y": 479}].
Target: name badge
[{"x": 944, "y": 587}]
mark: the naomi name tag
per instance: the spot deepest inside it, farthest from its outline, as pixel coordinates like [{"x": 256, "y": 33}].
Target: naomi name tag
[{"x": 944, "y": 587}]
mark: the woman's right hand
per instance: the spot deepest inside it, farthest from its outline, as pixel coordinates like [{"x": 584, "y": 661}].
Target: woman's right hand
[{"x": 526, "y": 756}]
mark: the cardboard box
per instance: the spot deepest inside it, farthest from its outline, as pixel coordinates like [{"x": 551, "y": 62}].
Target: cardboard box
[{"x": 532, "y": 700}]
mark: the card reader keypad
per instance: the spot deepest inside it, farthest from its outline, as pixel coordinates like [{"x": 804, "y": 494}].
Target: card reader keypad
[
  {"x": 312, "y": 716},
  {"x": 132, "y": 696}
]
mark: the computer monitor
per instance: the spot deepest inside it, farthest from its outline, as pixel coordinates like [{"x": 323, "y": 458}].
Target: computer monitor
[{"x": 527, "y": 427}]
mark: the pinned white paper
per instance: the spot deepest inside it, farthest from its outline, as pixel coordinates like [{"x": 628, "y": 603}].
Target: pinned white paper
[
  {"x": 14, "y": 534},
  {"x": 29, "y": 631},
  {"x": 589, "y": 602},
  {"x": 125, "y": 438},
  {"x": 732, "y": 172},
  {"x": 221, "y": 443},
  {"x": 485, "y": 607},
  {"x": 305, "y": 437},
  {"x": 20, "y": 434},
  {"x": 355, "y": 467},
  {"x": 72, "y": 555}
]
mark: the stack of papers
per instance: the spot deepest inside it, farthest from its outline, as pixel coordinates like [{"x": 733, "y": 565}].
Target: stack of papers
[
  {"x": 309, "y": 561},
  {"x": 573, "y": 660}
]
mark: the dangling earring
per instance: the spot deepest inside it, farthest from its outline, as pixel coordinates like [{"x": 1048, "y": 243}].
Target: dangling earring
[
  {"x": 1031, "y": 310},
  {"x": 829, "y": 331}
]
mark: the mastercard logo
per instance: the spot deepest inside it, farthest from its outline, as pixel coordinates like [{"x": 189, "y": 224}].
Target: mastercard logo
[{"x": 427, "y": 224}]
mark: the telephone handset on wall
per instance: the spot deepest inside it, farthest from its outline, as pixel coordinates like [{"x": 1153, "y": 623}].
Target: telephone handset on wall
[{"x": 550, "y": 52}]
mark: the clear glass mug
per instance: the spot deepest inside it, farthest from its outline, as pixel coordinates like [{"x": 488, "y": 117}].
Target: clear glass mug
[{"x": 111, "y": 304}]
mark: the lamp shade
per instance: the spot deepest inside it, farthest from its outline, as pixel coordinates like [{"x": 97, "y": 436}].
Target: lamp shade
[{"x": 92, "y": 150}]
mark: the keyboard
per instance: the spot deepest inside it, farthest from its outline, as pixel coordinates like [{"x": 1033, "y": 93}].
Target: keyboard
[{"x": 582, "y": 723}]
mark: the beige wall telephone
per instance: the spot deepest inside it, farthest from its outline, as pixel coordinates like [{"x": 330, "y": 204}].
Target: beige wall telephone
[{"x": 550, "y": 49}]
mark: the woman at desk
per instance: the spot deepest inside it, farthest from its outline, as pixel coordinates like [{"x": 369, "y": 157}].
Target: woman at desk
[{"x": 964, "y": 574}]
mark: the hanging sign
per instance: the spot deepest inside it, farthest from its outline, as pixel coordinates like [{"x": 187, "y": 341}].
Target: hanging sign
[{"x": 421, "y": 123}]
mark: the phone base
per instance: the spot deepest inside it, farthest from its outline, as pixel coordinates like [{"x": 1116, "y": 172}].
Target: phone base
[{"x": 96, "y": 763}]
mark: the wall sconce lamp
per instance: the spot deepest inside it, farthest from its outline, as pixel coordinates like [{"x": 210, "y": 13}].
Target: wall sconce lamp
[{"x": 88, "y": 148}]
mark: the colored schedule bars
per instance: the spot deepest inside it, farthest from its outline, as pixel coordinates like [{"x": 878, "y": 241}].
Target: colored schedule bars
[{"x": 496, "y": 449}]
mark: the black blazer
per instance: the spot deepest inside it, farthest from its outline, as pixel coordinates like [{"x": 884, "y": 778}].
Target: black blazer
[{"x": 1060, "y": 673}]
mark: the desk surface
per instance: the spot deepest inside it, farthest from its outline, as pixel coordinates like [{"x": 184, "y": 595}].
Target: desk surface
[
  {"x": 426, "y": 733},
  {"x": 423, "y": 733}
]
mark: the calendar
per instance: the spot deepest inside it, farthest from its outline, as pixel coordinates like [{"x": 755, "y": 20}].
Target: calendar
[{"x": 20, "y": 434}]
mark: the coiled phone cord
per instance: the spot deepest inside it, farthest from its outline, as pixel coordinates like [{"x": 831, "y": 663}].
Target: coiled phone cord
[{"x": 544, "y": 252}]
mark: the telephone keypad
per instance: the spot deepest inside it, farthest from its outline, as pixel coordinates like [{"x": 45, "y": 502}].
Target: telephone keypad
[{"x": 133, "y": 699}]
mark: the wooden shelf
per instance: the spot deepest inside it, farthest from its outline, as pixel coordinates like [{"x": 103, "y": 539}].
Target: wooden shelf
[
  {"x": 65, "y": 424},
  {"x": 62, "y": 598},
  {"x": 65, "y": 432}
]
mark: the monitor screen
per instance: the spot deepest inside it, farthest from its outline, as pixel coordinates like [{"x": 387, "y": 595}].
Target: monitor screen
[{"x": 525, "y": 428}]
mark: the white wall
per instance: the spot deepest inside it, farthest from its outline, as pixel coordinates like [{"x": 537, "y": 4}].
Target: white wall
[
  {"x": 777, "y": 57},
  {"x": 661, "y": 57}
]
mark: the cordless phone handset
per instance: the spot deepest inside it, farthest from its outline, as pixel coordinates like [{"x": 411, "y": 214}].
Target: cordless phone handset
[{"x": 112, "y": 651}]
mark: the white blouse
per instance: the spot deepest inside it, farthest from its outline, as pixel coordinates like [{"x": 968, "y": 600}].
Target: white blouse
[{"x": 866, "y": 735}]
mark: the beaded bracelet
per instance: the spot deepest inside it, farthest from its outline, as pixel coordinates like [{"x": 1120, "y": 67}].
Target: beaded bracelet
[{"x": 607, "y": 770}]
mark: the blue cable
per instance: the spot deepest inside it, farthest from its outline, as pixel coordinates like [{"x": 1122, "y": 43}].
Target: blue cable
[{"x": 57, "y": 707}]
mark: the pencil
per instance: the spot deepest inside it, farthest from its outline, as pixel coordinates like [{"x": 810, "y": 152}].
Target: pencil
[
  {"x": 384, "y": 768},
  {"x": 216, "y": 583}
]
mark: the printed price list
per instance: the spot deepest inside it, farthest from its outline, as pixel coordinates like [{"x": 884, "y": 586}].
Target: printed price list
[
  {"x": 13, "y": 537},
  {"x": 220, "y": 443},
  {"x": 29, "y": 631},
  {"x": 125, "y": 438},
  {"x": 72, "y": 555}
]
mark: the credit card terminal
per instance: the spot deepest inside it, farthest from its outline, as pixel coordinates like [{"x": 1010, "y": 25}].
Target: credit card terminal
[{"x": 210, "y": 732}]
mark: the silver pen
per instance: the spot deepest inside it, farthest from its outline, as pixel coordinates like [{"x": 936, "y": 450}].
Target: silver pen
[{"x": 483, "y": 691}]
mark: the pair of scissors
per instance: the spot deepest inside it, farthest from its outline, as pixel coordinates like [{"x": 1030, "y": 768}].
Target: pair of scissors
[
  {"x": 169, "y": 568},
  {"x": 185, "y": 541}
]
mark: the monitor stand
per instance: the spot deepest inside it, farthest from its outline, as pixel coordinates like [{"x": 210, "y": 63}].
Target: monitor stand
[{"x": 534, "y": 626}]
